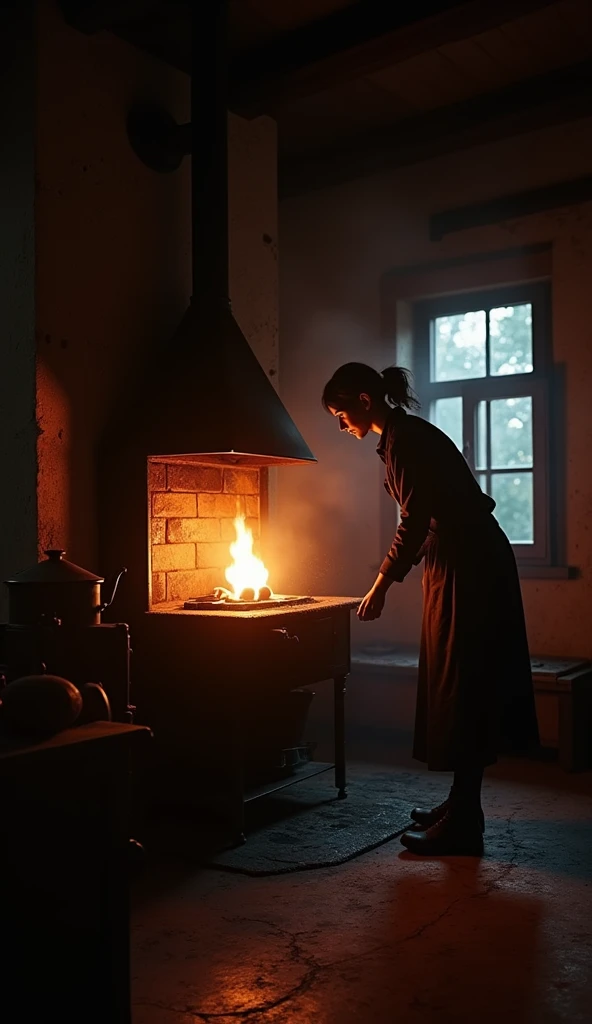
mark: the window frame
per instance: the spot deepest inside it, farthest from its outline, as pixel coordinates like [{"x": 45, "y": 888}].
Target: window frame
[{"x": 535, "y": 384}]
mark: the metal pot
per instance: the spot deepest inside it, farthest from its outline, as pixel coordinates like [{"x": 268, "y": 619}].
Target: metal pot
[{"x": 55, "y": 591}]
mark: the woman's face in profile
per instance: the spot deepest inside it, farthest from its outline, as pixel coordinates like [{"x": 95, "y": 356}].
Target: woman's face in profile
[{"x": 356, "y": 421}]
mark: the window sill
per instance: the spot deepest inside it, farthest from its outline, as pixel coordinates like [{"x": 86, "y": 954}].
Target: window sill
[{"x": 548, "y": 572}]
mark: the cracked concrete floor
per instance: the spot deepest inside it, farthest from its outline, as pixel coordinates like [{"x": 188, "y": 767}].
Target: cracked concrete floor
[{"x": 388, "y": 936}]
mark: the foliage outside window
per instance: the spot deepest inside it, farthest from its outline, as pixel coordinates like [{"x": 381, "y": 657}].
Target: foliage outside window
[{"x": 482, "y": 377}]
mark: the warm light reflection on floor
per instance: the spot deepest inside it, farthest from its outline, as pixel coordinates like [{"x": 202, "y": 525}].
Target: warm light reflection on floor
[{"x": 460, "y": 937}]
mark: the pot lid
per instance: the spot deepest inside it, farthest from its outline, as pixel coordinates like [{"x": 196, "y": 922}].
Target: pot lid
[{"x": 56, "y": 569}]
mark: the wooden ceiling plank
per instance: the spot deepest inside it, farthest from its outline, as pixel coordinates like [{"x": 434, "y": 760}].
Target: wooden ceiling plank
[
  {"x": 290, "y": 14},
  {"x": 475, "y": 65},
  {"x": 92, "y": 16},
  {"x": 313, "y": 59},
  {"x": 432, "y": 79},
  {"x": 554, "y": 98},
  {"x": 517, "y": 61}
]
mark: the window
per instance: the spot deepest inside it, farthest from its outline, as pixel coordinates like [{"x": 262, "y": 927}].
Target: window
[{"x": 482, "y": 374}]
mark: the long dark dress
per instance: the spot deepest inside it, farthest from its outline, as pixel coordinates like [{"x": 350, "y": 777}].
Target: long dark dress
[{"x": 475, "y": 693}]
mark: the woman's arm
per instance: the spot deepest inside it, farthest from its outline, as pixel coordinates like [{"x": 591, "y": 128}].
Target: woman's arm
[
  {"x": 372, "y": 605},
  {"x": 412, "y": 479}
]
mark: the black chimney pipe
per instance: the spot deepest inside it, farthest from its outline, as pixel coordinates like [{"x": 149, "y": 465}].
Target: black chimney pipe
[
  {"x": 215, "y": 402},
  {"x": 209, "y": 163}
]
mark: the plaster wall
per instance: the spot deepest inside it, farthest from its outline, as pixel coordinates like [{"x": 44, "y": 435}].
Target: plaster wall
[
  {"x": 336, "y": 246},
  {"x": 18, "y": 436},
  {"x": 112, "y": 248}
]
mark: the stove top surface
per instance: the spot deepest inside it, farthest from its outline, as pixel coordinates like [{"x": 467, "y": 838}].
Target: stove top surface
[
  {"x": 258, "y": 610},
  {"x": 207, "y": 604}
]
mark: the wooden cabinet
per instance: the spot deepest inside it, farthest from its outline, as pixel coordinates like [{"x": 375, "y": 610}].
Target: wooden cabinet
[{"x": 64, "y": 863}]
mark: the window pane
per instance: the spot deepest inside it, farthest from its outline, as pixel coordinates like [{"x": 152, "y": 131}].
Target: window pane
[
  {"x": 481, "y": 462},
  {"x": 510, "y": 339},
  {"x": 511, "y": 433},
  {"x": 459, "y": 346},
  {"x": 512, "y": 493},
  {"x": 447, "y": 414}
]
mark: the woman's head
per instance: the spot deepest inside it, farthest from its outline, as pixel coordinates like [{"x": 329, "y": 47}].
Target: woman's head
[{"x": 360, "y": 396}]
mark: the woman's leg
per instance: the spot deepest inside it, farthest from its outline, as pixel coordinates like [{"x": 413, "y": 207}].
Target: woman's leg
[
  {"x": 459, "y": 826},
  {"x": 465, "y": 794}
]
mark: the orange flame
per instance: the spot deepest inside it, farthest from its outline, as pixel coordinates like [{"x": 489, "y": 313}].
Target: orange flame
[{"x": 247, "y": 571}]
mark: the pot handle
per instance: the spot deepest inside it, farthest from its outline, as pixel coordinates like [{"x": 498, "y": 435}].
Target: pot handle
[{"x": 106, "y": 604}]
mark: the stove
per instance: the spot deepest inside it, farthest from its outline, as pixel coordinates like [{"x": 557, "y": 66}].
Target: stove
[
  {"x": 210, "y": 674},
  {"x": 82, "y": 654}
]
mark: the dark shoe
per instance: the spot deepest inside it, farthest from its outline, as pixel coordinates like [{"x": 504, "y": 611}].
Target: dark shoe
[
  {"x": 452, "y": 835},
  {"x": 426, "y": 818}
]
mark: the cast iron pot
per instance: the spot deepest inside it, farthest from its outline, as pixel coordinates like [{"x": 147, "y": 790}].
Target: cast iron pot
[{"x": 55, "y": 591}]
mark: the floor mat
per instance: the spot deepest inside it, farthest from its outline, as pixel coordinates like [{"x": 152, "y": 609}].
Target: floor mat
[{"x": 306, "y": 826}]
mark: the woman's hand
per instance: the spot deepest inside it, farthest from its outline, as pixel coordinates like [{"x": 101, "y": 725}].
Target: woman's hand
[{"x": 372, "y": 605}]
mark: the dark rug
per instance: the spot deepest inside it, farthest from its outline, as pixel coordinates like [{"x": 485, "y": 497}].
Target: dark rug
[{"x": 306, "y": 826}]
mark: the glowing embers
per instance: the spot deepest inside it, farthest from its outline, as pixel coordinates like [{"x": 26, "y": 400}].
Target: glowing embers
[
  {"x": 214, "y": 604},
  {"x": 248, "y": 577}
]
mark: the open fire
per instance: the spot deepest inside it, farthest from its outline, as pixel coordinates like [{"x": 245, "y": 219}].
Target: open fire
[
  {"x": 247, "y": 576},
  {"x": 204, "y": 526}
]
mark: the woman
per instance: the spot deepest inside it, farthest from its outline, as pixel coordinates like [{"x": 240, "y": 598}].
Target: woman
[{"x": 475, "y": 690}]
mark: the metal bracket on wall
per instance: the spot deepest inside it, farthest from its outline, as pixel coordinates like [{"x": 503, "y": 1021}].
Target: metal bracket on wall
[{"x": 156, "y": 138}]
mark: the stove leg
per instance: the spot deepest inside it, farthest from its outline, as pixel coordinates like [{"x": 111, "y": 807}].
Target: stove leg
[
  {"x": 239, "y": 813},
  {"x": 240, "y": 840},
  {"x": 236, "y": 819},
  {"x": 236, "y": 802},
  {"x": 339, "y": 710}
]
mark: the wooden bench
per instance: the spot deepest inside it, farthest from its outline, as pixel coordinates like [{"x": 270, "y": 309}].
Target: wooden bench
[{"x": 563, "y": 696}]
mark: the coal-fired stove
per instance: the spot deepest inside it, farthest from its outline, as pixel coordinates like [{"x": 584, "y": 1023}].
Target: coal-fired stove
[
  {"x": 225, "y": 656},
  {"x": 212, "y": 676}
]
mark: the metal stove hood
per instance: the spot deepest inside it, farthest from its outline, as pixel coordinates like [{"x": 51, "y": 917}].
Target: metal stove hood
[
  {"x": 214, "y": 403},
  {"x": 212, "y": 400}
]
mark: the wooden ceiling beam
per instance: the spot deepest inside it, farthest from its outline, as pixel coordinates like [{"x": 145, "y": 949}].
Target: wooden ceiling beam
[
  {"x": 359, "y": 40},
  {"x": 92, "y": 16},
  {"x": 520, "y": 204},
  {"x": 554, "y": 98}
]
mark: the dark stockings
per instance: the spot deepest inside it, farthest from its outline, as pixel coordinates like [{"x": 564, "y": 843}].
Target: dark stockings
[{"x": 466, "y": 788}]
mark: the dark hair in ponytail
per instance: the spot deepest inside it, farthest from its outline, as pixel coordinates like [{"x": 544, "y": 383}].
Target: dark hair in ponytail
[{"x": 354, "y": 379}]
